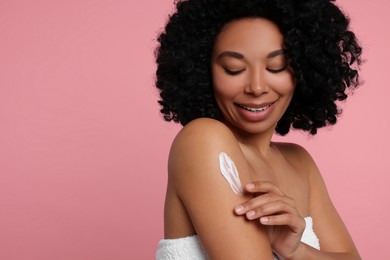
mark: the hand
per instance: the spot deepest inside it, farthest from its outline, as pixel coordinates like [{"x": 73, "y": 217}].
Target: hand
[{"x": 278, "y": 213}]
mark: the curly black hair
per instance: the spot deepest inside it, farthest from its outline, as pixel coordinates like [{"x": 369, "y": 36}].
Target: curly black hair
[{"x": 322, "y": 51}]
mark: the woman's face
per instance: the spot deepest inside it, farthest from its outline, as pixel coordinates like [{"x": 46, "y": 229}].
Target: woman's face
[{"x": 253, "y": 84}]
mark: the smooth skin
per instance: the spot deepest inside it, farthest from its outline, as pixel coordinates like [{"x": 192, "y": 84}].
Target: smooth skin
[{"x": 253, "y": 87}]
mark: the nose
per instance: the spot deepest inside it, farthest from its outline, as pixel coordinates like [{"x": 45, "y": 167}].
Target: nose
[{"x": 257, "y": 84}]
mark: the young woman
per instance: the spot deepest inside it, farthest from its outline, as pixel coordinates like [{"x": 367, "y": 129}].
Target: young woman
[{"x": 234, "y": 72}]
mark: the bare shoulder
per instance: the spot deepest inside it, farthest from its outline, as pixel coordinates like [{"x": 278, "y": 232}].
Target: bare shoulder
[
  {"x": 201, "y": 141},
  {"x": 203, "y": 130},
  {"x": 299, "y": 157},
  {"x": 196, "y": 148}
]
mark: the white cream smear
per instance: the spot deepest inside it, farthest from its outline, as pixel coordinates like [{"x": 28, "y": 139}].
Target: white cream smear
[{"x": 230, "y": 173}]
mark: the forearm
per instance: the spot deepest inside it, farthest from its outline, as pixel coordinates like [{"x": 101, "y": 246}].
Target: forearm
[{"x": 307, "y": 252}]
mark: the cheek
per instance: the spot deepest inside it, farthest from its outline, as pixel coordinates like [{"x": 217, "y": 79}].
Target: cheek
[
  {"x": 225, "y": 85},
  {"x": 285, "y": 84}
]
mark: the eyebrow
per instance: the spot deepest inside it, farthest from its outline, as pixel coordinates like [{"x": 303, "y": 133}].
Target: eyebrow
[
  {"x": 231, "y": 54},
  {"x": 275, "y": 53},
  {"x": 240, "y": 56}
]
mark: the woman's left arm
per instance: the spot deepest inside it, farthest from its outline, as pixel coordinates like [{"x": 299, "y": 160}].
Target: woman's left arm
[{"x": 335, "y": 241}]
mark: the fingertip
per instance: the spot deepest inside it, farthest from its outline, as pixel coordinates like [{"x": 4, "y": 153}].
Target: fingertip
[
  {"x": 264, "y": 220},
  {"x": 239, "y": 209},
  {"x": 250, "y": 186},
  {"x": 250, "y": 214}
]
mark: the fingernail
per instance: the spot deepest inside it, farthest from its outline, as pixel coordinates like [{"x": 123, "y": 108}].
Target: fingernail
[
  {"x": 264, "y": 220},
  {"x": 250, "y": 186},
  {"x": 239, "y": 209},
  {"x": 250, "y": 214}
]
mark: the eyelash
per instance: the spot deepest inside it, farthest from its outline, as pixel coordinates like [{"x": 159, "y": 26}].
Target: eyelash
[
  {"x": 278, "y": 70},
  {"x": 234, "y": 73}
]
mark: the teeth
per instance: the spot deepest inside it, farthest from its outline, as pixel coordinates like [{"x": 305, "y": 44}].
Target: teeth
[{"x": 252, "y": 109}]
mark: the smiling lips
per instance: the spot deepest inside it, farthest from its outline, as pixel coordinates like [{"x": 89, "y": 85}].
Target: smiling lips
[{"x": 255, "y": 108}]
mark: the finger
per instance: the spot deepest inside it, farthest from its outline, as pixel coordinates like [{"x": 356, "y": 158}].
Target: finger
[
  {"x": 296, "y": 223},
  {"x": 262, "y": 187},
  {"x": 259, "y": 201},
  {"x": 271, "y": 208},
  {"x": 254, "y": 203}
]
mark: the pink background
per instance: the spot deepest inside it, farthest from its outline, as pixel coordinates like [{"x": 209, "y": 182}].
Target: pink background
[{"x": 83, "y": 148}]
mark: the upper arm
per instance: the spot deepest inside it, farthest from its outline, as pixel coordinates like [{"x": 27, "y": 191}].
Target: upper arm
[
  {"x": 208, "y": 198},
  {"x": 328, "y": 225}
]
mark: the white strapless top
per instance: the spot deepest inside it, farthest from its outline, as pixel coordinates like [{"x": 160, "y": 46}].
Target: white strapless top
[{"x": 190, "y": 248}]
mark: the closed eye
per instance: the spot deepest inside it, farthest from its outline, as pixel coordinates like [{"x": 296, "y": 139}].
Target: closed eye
[
  {"x": 233, "y": 72},
  {"x": 277, "y": 70}
]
